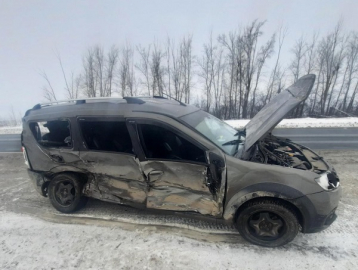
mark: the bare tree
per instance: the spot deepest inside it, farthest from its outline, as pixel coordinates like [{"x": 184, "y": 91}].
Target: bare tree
[
  {"x": 90, "y": 82},
  {"x": 110, "y": 68},
  {"x": 309, "y": 60},
  {"x": 48, "y": 91},
  {"x": 332, "y": 57},
  {"x": 352, "y": 99},
  {"x": 219, "y": 79},
  {"x": 13, "y": 121},
  {"x": 157, "y": 70},
  {"x": 99, "y": 69},
  {"x": 207, "y": 65},
  {"x": 302, "y": 63},
  {"x": 299, "y": 50},
  {"x": 144, "y": 65},
  {"x": 255, "y": 60},
  {"x": 168, "y": 64},
  {"x": 186, "y": 48},
  {"x": 181, "y": 70},
  {"x": 72, "y": 86},
  {"x": 276, "y": 77},
  {"x": 351, "y": 68},
  {"x": 264, "y": 53},
  {"x": 235, "y": 72},
  {"x": 126, "y": 71}
]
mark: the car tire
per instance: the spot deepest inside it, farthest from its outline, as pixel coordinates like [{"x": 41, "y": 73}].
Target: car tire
[
  {"x": 65, "y": 193},
  {"x": 267, "y": 223}
]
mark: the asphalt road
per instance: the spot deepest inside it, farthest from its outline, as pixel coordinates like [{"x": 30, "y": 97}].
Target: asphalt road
[
  {"x": 315, "y": 138},
  {"x": 10, "y": 143},
  {"x": 322, "y": 138}
]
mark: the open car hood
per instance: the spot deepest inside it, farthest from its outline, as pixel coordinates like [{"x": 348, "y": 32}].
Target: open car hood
[{"x": 274, "y": 111}]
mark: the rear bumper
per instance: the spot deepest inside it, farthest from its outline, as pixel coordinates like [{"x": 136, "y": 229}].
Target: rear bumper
[
  {"x": 38, "y": 181},
  {"x": 319, "y": 209}
]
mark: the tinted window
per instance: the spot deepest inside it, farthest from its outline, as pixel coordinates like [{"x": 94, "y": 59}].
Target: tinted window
[
  {"x": 52, "y": 133},
  {"x": 109, "y": 136},
  {"x": 162, "y": 143}
]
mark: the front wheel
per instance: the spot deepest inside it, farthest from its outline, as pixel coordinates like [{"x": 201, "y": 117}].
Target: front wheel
[
  {"x": 65, "y": 193},
  {"x": 267, "y": 223}
]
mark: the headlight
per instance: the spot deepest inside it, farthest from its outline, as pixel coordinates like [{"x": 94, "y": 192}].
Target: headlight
[{"x": 328, "y": 181}]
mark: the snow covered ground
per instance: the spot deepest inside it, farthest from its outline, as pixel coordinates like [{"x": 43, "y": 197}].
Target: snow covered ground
[
  {"x": 286, "y": 123},
  {"x": 305, "y": 122},
  {"x": 107, "y": 236},
  {"x": 11, "y": 130}
]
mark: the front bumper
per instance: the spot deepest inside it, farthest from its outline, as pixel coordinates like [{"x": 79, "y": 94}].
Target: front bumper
[
  {"x": 38, "y": 181},
  {"x": 319, "y": 209}
]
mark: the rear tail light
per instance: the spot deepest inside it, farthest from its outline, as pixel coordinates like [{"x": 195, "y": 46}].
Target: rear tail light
[{"x": 25, "y": 157}]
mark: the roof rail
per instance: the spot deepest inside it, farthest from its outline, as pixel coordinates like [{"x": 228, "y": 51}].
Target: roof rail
[
  {"x": 133, "y": 100},
  {"x": 159, "y": 97},
  {"x": 129, "y": 100},
  {"x": 77, "y": 101}
]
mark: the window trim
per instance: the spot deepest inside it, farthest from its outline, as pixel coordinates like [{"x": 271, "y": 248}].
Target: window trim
[
  {"x": 84, "y": 146},
  {"x": 49, "y": 120},
  {"x": 139, "y": 121}
]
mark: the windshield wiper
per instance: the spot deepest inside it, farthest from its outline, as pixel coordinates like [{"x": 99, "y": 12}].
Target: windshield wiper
[
  {"x": 237, "y": 141},
  {"x": 233, "y": 142}
]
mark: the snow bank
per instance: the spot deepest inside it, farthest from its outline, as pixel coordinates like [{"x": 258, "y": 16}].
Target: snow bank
[
  {"x": 285, "y": 123},
  {"x": 11, "y": 130},
  {"x": 30, "y": 243},
  {"x": 305, "y": 122}
]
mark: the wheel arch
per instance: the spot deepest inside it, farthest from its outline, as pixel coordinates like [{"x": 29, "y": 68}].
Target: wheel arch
[
  {"x": 289, "y": 203},
  {"x": 82, "y": 175},
  {"x": 267, "y": 190}
]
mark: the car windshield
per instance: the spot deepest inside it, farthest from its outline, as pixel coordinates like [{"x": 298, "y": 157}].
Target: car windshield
[{"x": 217, "y": 131}]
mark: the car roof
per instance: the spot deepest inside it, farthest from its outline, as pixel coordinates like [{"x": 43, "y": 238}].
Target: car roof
[{"x": 109, "y": 107}]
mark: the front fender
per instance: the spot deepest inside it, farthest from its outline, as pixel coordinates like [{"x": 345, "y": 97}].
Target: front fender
[{"x": 273, "y": 190}]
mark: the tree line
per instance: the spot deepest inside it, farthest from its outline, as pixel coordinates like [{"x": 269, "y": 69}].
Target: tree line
[{"x": 230, "y": 77}]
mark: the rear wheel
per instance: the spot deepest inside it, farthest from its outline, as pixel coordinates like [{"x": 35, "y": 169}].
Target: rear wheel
[
  {"x": 267, "y": 223},
  {"x": 65, "y": 193}
]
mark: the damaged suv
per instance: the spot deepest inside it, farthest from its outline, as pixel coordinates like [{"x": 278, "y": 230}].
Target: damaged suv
[{"x": 162, "y": 154}]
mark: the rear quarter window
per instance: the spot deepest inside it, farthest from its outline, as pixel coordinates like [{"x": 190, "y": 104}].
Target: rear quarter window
[{"x": 56, "y": 133}]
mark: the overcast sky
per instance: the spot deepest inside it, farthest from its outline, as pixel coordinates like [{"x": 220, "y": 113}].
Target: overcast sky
[{"x": 31, "y": 31}]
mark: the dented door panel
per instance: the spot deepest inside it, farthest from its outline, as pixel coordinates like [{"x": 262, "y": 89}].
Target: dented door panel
[
  {"x": 179, "y": 186},
  {"x": 116, "y": 174}
]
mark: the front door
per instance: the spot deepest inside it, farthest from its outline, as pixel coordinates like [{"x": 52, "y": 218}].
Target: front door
[
  {"x": 108, "y": 154},
  {"x": 176, "y": 169}
]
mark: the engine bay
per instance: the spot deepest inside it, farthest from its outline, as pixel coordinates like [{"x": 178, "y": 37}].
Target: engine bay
[{"x": 279, "y": 151}]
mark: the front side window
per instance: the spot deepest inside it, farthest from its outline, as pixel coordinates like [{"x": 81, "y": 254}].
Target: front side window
[
  {"x": 217, "y": 131},
  {"x": 109, "y": 136},
  {"x": 56, "y": 133},
  {"x": 162, "y": 143}
]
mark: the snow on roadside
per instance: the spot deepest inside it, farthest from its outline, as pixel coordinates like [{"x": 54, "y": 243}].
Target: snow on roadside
[
  {"x": 30, "y": 243},
  {"x": 11, "y": 130},
  {"x": 240, "y": 123},
  {"x": 305, "y": 122}
]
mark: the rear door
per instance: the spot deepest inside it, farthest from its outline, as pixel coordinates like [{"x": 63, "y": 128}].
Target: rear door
[
  {"x": 176, "y": 168},
  {"x": 107, "y": 153}
]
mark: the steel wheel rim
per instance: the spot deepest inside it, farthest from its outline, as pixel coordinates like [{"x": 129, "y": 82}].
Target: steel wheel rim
[
  {"x": 65, "y": 193},
  {"x": 266, "y": 225}
]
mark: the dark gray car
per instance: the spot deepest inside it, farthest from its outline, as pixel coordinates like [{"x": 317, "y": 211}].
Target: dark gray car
[{"x": 165, "y": 155}]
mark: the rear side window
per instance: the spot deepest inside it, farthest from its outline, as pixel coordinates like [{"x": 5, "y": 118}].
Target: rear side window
[
  {"x": 109, "y": 136},
  {"x": 56, "y": 133}
]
